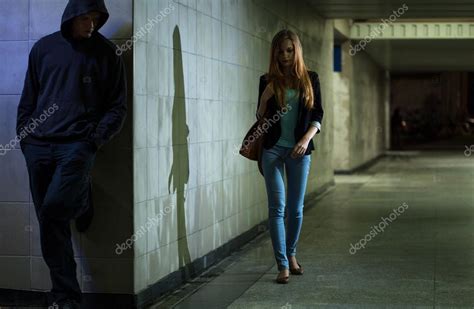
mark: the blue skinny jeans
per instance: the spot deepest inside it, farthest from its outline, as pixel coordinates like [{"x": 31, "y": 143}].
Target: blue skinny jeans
[{"x": 275, "y": 162}]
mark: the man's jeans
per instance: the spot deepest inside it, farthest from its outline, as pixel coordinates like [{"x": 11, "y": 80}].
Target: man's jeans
[
  {"x": 60, "y": 186},
  {"x": 275, "y": 162}
]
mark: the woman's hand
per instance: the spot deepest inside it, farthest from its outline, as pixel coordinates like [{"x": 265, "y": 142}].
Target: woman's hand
[{"x": 300, "y": 148}]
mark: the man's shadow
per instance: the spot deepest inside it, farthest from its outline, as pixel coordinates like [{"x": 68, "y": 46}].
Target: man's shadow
[{"x": 179, "y": 175}]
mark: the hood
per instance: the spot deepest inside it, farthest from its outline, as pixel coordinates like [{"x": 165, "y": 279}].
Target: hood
[{"x": 76, "y": 8}]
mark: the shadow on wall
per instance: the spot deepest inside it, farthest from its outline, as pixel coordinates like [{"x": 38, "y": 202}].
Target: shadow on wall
[{"x": 177, "y": 182}]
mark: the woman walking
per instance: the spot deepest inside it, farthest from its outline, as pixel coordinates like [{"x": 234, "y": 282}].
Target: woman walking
[{"x": 290, "y": 99}]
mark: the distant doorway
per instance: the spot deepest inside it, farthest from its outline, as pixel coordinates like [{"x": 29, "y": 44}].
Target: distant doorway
[{"x": 431, "y": 110}]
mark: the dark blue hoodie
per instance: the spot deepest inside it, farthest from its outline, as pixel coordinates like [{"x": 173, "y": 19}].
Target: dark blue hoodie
[{"x": 74, "y": 89}]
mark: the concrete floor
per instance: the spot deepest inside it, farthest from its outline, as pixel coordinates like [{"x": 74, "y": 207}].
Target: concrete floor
[{"x": 423, "y": 258}]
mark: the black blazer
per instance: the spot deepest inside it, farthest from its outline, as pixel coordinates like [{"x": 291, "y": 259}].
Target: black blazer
[{"x": 305, "y": 116}]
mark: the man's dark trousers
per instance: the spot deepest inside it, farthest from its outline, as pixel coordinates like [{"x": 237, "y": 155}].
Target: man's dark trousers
[{"x": 60, "y": 186}]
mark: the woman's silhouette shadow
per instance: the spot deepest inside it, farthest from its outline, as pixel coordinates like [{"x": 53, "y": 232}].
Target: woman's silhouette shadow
[{"x": 179, "y": 175}]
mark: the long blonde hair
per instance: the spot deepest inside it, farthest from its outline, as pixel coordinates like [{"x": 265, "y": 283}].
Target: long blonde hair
[{"x": 299, "y": 72}]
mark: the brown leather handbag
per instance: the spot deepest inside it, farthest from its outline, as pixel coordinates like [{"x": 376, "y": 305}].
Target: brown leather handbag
[{"x": 252, "y": 145}]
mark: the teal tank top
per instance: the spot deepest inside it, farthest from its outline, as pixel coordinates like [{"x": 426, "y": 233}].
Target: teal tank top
[{"x": 288, "y": 120}]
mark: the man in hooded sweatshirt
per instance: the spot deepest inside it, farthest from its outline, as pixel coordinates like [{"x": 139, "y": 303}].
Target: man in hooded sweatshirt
[{"x": 73, "y": 102}]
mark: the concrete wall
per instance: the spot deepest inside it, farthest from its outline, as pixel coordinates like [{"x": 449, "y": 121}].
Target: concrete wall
[
  {"x": 342, "y": 124},
  {"x": 367, "y": 110},
  {"x": 196, "y": 86},
  {"x": 23, "y": 22},
  {"x": 361, "y": 101}
]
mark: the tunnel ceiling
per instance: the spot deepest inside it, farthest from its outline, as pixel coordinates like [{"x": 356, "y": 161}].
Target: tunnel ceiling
[
  {"x": 409, "y": 55},
  {"x": 376, "y": 9},
  {"x": 423, "y": 55}
]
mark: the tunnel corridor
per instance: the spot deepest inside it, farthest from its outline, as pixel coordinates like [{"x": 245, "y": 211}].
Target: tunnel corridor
[
  {"x": 422, "y": 259},
  {"x": 179, "y": 218}
]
